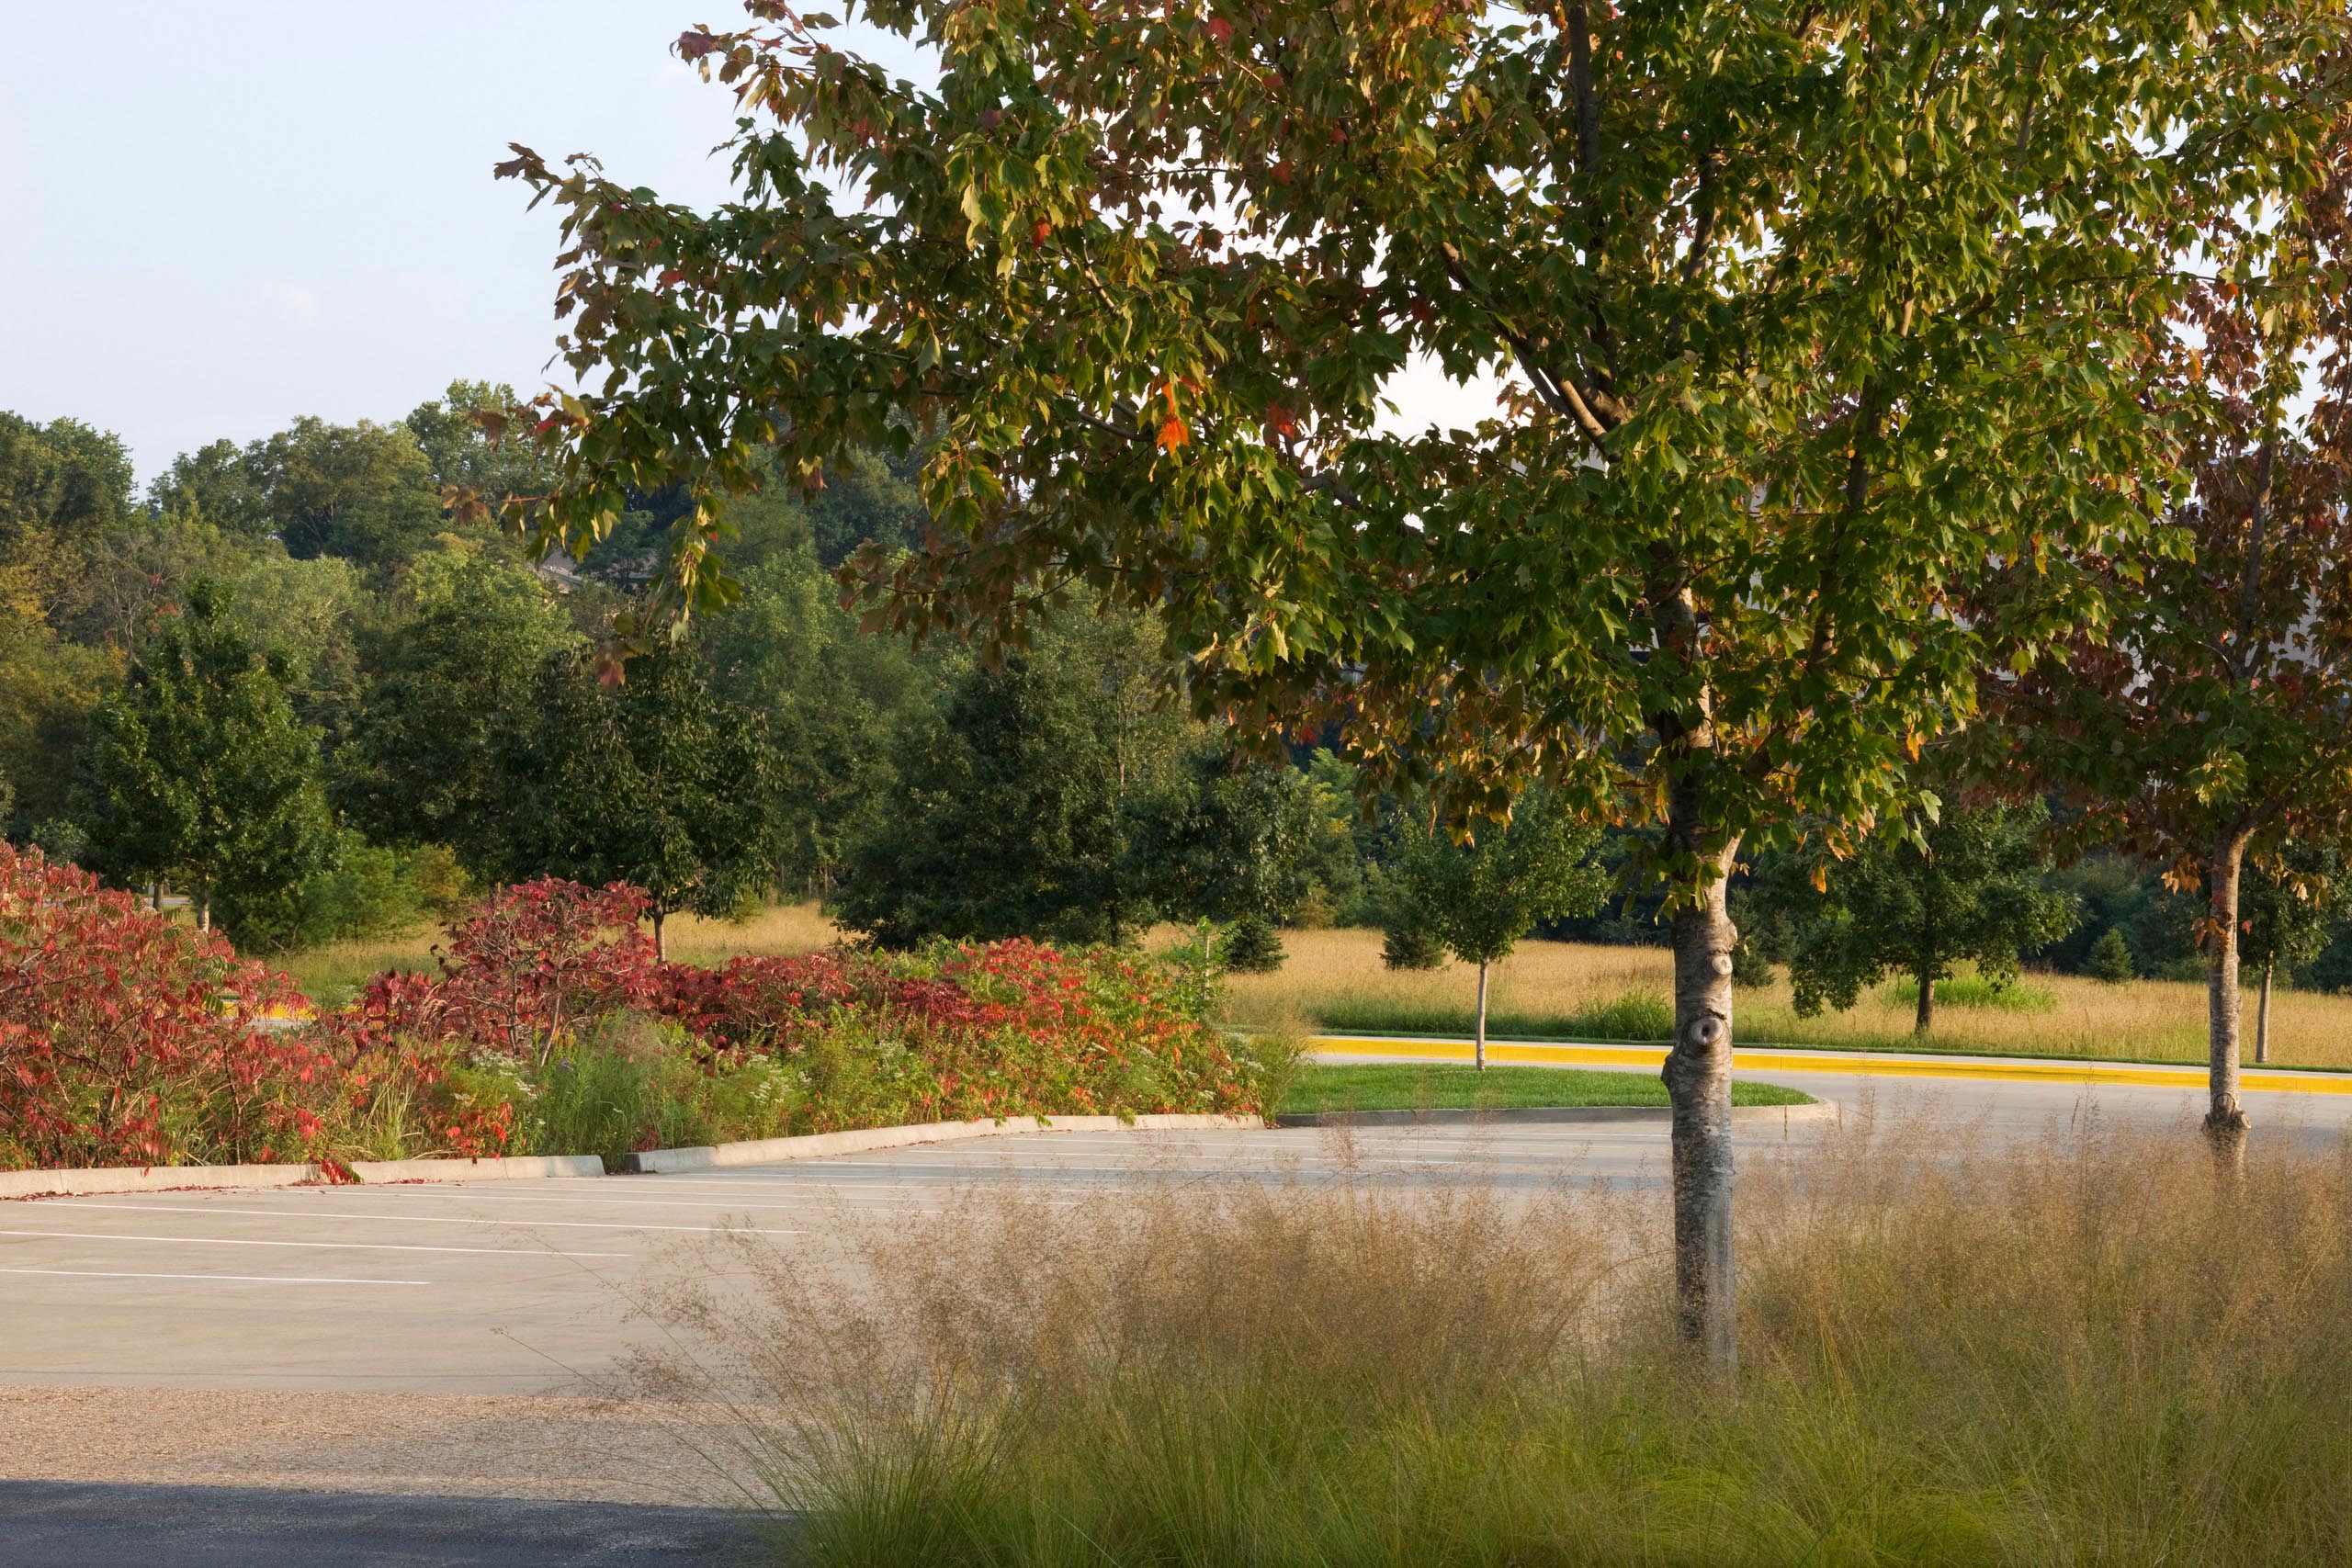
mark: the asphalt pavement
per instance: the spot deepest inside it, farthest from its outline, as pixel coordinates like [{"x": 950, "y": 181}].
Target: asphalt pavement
[{"x": 63, "y": 1523}]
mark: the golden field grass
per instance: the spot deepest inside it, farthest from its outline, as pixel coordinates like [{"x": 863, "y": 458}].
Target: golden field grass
[
  {"x": 1334, "y": 979},
  {"x": 1335, "y": 976}
]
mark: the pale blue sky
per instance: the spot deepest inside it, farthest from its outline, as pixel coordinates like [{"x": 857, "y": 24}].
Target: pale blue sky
[{"x": 216, "y": 215}]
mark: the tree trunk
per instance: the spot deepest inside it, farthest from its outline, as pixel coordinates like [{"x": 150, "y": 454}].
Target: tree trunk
[
  {"x": 660, "y": 949},
  {"x": 159, "y": 896},
  {"x": 203, "y": 908},
  {"x": 1480, "y": 1049},
  {"x": 2225, "y": 1122},
  {"x": 1926, "y": 1019},
  {"x": 1698, "y": 1080},
  {"x": 2262, "y": 1019}
]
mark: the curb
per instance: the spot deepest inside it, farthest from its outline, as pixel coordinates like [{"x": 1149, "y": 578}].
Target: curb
[
  {"x": 495, "y": 1167},
  {"x": 814, "y": 1146},
  {"x": 1785, "y": 1115},
  {"x": 94, "y": 1180},
  {"x": 150, "y": 1179}
]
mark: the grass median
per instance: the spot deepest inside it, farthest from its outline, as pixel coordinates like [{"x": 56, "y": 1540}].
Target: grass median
[{"x": 1419, "y": 1086}]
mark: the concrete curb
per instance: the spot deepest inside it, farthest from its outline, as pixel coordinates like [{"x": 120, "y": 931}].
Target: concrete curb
[
  {"x": 150, "y": 1179},
  {"x": 815, "y": 1145},
  {"x": 508, "y": 1167},
  {"x": 91, "y": 1181},
  {"x": 1741, "y": 1115}
]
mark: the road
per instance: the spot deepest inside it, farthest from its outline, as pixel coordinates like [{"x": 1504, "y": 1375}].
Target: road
[{"x": 435, "y": 1341}]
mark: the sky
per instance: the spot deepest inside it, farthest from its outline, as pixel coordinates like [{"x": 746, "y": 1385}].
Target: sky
[{"x": 216, "y": 216}]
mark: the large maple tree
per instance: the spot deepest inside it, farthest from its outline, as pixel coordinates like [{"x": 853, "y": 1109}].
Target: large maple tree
[{"x": 1809, "y": 309}]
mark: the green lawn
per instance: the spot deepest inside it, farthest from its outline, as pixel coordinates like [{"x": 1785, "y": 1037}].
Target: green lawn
[{"x": 1415, "y": 1085}]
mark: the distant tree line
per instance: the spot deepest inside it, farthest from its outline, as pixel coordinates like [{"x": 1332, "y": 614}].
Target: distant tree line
[{"x": 285, "y": 684}]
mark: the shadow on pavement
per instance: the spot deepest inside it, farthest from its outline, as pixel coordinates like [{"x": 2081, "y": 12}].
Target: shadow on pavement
[{"x": 68, "y": 1524}]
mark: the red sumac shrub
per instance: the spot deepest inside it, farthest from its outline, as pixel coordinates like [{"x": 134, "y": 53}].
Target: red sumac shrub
[
  {"x": 126, "y": 1039},
  {"x": 535, "y": 963}
]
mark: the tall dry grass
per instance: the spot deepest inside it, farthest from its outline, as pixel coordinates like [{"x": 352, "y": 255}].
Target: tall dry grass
[
  {"x": 1334, "y": 979},
  {"x": 2072, "y": 1353}
]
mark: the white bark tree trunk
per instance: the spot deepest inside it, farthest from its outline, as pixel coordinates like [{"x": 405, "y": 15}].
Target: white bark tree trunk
[
  {"x": 204, "y": 909},
  {"x": 2225, "y": 1122},
  {"x": 1480, "y": 1049},
  {"x": 2262, "y": 1019},
  {"x": 1698, "y": 1081}
]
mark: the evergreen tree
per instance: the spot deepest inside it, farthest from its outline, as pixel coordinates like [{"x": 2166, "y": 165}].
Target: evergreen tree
[
  {"x": 2109, "y": 958},
  {"x": 203, "y": 776}
]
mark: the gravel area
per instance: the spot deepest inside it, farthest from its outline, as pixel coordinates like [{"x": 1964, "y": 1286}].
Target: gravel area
[{"x": 443, "y": 1445}]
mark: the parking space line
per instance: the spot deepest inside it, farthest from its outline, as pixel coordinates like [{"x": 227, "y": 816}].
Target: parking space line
[
  {"x": 341, "y": 1246},
  {"x": 233, "y": 1279},
  {"x": 395, "y": 1219}
]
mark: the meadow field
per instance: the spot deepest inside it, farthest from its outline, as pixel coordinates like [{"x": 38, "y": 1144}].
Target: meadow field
[{"x": 1333, "y": 979}]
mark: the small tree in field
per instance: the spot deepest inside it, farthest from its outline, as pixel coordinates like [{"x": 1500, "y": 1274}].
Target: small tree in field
[
  {"x": 1965, "y": 888},
  {"x": 201, "y": 772},
  {"x": 1479, "y": 897},
  {"x": 2287, "y": 903},
  {"x": 1808, "y": 312}
]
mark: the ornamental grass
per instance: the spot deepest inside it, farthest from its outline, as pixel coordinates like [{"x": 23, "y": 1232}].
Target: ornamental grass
[{"x": 2071, "y": 1351}]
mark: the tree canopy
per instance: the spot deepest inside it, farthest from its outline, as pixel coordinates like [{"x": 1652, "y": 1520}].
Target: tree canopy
[{"x": 1809, "y": 311}]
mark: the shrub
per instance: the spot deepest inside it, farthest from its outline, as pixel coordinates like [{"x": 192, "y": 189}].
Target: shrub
[
  {"x": 2109, "y": 958},
  {"x": 535, "y": 963},
  {"x": 1252, "y": 946},
  {"x": 1636, "y": 1015},
  {"x": 1406, "y": 945},
  {"x": 126, "y": 1039},
  {"x": 1975, "y": 991}
]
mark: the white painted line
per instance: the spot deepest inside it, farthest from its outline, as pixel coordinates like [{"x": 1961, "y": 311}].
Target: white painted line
[
  {"x": 233, "y": 1279},
  {"x": 396, "y": 1219},
  {"x": 339, "y": 1246}
]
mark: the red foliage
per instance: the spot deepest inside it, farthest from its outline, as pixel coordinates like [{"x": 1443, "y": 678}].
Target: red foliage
[
  {"x": 535, "y": 963},
  {"x": 128, "y": 1038}
]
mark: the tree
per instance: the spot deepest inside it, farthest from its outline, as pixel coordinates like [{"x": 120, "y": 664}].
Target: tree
[
  {"x": 2213, "y": 718},
  {"x": 654, "y": 783},
  {"x": 201, "y": 773},
  {"x": 1231, "y": 840},
  {"x": 833, "y": 700},
  {"x": 1478, "y": 896},
  {"x": 1010, "y": 807},
  {"x": 1965, "y": 888},
  {"x": 458, "y": 664},
  {"x": 2285, "y": 903},
  {"x": 2109, "y": 958},
  {"x": 1809, "y": 313}
]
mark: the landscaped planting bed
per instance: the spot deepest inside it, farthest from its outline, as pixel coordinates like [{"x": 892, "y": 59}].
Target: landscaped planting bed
[{"x": 548, "y": 1026}]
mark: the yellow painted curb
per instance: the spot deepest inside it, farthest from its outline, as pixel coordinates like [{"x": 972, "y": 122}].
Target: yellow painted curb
[{"x": 1859, "y": 1064}]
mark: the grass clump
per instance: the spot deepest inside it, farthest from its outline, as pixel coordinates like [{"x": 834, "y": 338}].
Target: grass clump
[
  {"x": 1975, "y": 991},
  {"x": 1419, "y": 1086},
  {"x": 2075, "y": 1353},
  {"x": 1639, "y": 1016}
]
